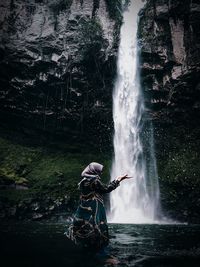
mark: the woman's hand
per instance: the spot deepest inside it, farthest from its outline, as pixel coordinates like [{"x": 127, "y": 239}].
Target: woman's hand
[{"x": 121, "y": 178}]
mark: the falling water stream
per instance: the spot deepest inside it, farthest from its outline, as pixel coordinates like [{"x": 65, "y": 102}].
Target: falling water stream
[{"x": 137, "y": 199}]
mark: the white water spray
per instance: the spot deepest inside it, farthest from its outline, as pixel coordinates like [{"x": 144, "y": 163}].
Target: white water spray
[{"x": 135, "y": 200}]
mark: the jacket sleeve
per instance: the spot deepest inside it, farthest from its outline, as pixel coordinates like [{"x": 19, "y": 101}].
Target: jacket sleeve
[{"x": 101, "y": 188}]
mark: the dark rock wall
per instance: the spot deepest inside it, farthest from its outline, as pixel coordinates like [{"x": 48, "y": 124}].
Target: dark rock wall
[
  {"x": 169, "y": 36},
  {"x": 57, "y": 64},
  {"x": 170, "y": 53}
]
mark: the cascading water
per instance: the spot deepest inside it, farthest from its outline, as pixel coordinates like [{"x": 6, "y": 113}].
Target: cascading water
[{"x": 137, "y": 199}]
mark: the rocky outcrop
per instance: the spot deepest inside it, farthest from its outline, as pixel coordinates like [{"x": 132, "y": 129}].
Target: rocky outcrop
[
  {"x": 57, "y": 64},
  {"x": 38, "y": 208},
  {"x": 170, "y": 67},
  {"x": 170, "y": 59}
]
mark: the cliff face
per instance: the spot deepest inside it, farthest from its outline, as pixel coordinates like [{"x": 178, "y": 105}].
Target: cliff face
[
  {"x": 57, "y": 64},
  {"x": 170, "y": 59},
  {"x": 169, "y": 36}
]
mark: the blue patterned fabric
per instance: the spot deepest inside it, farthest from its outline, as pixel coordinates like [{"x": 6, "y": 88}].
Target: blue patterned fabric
[{"x": 89, "y": 227}]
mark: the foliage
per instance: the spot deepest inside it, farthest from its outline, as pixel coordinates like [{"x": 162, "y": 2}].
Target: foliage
[
  {"x": 90, "y": 38},
  {"x": 46, "y": 171},
  {"x": 114, "y": 8},
  {"x": 179, "y": 174}
]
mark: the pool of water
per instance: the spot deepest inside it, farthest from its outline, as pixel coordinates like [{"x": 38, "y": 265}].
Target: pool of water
[{"x": 44, "y": 244}]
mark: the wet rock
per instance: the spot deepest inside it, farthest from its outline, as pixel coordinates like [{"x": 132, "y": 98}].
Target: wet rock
[
  {"x": 66, "y": 199},
  {"x": 52, "y": 207},
  {"x": 58, "y": 202},
  {"x": 37, "y": 216},
  {"x": 35, "y": 206},
  {"x": 60, "y": 176},
  {"x": 11, "y": 186},
  {"x": 21, "y": 169},
  {"x": 22, "y": 206},
  {"x": 170, "y": 51},
  {"x": 57, "y": 59},
  {"x": 12, "y": 211},
  {"x": 28, "y": 201},
  {"x": 21, "y": 187}
]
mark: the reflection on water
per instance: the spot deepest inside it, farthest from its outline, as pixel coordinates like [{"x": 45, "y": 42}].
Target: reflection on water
[
  {"x": 44, "y": 244},
  {"x": 158, "y": 245}
]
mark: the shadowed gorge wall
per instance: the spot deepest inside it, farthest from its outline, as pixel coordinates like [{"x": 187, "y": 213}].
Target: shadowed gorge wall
[
  {"x": 57, "y": 65},
  {"x": 170, "y": 52},
  {"x": 169, "y": 36}
]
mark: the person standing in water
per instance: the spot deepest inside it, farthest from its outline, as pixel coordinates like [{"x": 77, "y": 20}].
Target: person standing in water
[{"x": 89, "y": 228}]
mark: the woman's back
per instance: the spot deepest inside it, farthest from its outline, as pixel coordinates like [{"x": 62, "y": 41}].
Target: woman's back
[{"x": 89, "y": 228}]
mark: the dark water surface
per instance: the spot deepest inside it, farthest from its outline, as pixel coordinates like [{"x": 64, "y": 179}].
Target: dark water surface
[{"x": 44, "y": 244}]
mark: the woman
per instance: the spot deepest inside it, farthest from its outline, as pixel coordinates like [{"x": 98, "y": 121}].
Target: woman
[{"x": 89, "y": 228}]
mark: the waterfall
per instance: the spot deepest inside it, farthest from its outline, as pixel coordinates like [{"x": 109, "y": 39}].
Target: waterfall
[{"x": 135, "y": 200}]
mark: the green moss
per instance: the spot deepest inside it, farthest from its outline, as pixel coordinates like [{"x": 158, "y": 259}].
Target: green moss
[
  {"x": 21, "y": 181},
  {"x": 179, "y": 173},
  {"x": 13, "y": 197},
  {"x": 115, "y": 9},
  {"x": 90, "y": 36},
  {"x": 47, "y": 171}
]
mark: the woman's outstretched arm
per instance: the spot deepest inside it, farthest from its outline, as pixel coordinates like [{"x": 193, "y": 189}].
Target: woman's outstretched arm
[{"x": 101, "y": 188}]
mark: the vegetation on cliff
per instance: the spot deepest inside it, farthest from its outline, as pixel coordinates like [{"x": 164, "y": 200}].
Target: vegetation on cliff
[
  {"x": 178, "y": 160},
  {"x": 37, "y": 181}
]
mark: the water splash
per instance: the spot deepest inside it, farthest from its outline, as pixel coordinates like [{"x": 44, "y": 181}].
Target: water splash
[{"x": 137, "y": 199}]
